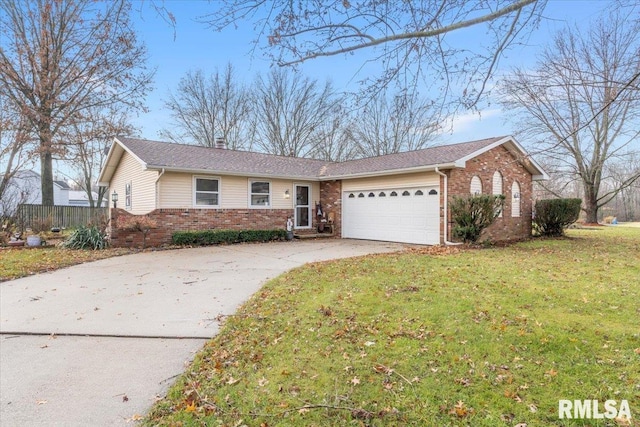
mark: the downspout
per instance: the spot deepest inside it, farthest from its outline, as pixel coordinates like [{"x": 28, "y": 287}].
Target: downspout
[
  {"x": 446, "y": 212},
  {"x": 158, "y": 188}
]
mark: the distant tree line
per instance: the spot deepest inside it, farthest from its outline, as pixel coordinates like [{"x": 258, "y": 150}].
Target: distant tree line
[{"x": 287, "y": 114}]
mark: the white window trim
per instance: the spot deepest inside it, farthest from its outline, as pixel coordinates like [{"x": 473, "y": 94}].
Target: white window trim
[
  {"x": 128, "y": 197},
  {"x": 498, "y": 191},
  {"x": 193, "y": 192},
  {"x": 295, "y": 206},
  {"x": 251, "y": 206},
  {"x": 477, "y": 179},
  {"x": 516, "y": 201}
]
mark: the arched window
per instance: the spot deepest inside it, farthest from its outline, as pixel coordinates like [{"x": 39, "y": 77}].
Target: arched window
[
  {"x": 351, "y": 196},
  {"x": 497, "y": 186},
  {"x": 372, "y": 195},
  {"x": 382, "y": 194},
  {"x": 393, "y": 194},
  {"x": 406, "y": 193},
  {"x": 476, "y": 185},
  {"x": 515, "y": 199},
  {"x": 419, "y": 193},
  {"x": 360, "y": 195}
]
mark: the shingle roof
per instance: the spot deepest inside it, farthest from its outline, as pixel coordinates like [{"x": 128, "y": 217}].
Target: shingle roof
[
  {"x": 197, "y": 158},
  {"x": 433, "y": 156},
  {"x": 181, "y": 157}
]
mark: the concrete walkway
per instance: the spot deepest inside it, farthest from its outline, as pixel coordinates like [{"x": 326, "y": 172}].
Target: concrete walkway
[{"x": 96, "y": 344}]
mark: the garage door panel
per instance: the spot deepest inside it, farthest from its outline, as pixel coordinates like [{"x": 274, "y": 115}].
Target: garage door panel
[{"x": 403, "y": 218}]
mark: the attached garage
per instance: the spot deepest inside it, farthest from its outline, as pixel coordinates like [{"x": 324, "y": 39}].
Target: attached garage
[{"x": 394, "y": 214}]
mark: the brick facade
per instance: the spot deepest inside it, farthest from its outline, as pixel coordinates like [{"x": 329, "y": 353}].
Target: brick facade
[
  {"x": 331, "y": 198},
  {"x": 484, "y": 166},
  {"x": 171, "y": 220}
]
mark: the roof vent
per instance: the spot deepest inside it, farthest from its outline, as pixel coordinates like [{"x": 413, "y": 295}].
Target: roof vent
[{"x": 221, "y": 143}]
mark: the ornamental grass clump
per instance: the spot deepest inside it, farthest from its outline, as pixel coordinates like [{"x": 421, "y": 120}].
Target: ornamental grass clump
[{"x": 87, "y": 238}]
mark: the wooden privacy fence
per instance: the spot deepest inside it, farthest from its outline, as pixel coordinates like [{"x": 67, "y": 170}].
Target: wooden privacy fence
[{"x": 29, "y": 216}]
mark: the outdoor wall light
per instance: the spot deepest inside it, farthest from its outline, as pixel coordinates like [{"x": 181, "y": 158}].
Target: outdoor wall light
[
  {"x": 114, "y": 199},
  {"x": 286, "y": 194}
]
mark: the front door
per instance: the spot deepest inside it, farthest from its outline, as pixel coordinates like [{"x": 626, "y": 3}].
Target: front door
[{"x": 303, "y": 206}]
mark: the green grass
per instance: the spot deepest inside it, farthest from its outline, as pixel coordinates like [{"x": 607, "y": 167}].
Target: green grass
[
  {"x": 15, "y": 263},
  {"x": 485, "y": 337}
]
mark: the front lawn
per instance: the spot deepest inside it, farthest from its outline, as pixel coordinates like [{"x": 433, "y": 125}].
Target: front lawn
[
  {"x": 485, "y": 337},
  {"x": 16, "y": 263}
]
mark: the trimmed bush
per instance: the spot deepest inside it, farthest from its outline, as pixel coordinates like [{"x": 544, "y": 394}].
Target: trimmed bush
[
  {"x": 87, "y": 238},
  {"x": 473, "y": 214},
  {"x": 553, "y": 216},
  {"x": 215, "y": 237}
]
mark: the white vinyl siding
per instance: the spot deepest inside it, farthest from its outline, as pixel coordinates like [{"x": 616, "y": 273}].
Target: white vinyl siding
[
  {"x": 143, "y": 189},
  {"x": 515, "y": 199},
  {"x": 476, "y": 185},
  {"x": 405, "y": 180},
  {"x": 497, "y": 186},
  {"x": 176, "y": 191}
]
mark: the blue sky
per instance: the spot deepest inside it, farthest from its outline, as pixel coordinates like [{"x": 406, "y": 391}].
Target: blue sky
[{"x": 197, "y": 47}]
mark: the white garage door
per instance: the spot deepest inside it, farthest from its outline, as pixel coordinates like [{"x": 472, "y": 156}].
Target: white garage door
[{"x": 408, "y": 215}]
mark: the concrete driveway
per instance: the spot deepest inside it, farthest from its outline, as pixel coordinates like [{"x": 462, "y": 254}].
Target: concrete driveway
[{"x": 96, "y": 344}]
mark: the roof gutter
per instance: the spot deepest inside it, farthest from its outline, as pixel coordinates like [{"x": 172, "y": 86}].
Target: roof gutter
[
  {"x": 391, "y": 172},
  {"x": 231, "y": 173},
  {"x": 446, "y": 207}
]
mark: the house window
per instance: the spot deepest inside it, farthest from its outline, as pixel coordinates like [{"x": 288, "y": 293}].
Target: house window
[
  {"x": 207, "y": 192},
  {"x": 372, "y": 195},
  {"x": 476, "y": 185},
  {"x": 433, "y": 192},
  {"x": 393, "y": 194},
  {"x": 260, "y": 194},
  {"x": 127, "y": 195},
  {"x": 352, "y": 196},
  {"x": 515, "y": 199},
  {"x": 360, "y": 195},
  {"x": 382, "y": 194},
  {"x": 406, "y": 193},
  {"x": 497, "y": 186},
  {"x": 419, "y": 193}
]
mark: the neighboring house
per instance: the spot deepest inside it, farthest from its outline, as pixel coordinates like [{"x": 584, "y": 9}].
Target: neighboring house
[
  {"x": 398, "y": 197},
  {"x": 25, "y": 188},
  {"x": 80, "y": 198}
]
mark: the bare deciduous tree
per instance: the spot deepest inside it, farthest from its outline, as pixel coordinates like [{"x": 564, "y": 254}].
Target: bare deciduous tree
[
  {"x": 15, "y": 138},
  {"x": 60, "y": 57},
  {"x": 335, "y": 143},
  {"x": 391, "y": 124},
  {"x": 87, "y": 141},
  {"x": 290, "y": 112},
  {"x": 415, "y": 41},
  {"x": 581, "y": 105},
  {"x": 207, "y": 108}
]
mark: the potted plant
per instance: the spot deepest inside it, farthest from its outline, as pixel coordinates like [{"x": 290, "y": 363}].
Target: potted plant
[{"x": 39, "y": 226}]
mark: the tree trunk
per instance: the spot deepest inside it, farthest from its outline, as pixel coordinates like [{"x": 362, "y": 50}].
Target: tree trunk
[
  {"x": 46, "y": 179},
  {"x": 590, "y": 204}
]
